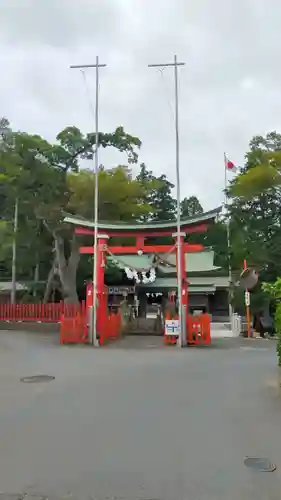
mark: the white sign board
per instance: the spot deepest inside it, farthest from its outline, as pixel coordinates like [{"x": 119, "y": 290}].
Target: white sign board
[
  {"x": 247, "y": 298},
  {"x": 172, "y": 327}
]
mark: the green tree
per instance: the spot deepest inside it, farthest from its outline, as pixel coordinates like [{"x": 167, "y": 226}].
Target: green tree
[
  {"x": 25, "y": 178},
  {"x": 274, "y": 292},
  {"x": 255, "y": 206},
  {"x": 38, "y": 173},
  {"x": 158, "y": 196},
  {"x": 162, "y": 200},
  {"x": 5, "y": 239},
  {"x": 191, "y": 206}
]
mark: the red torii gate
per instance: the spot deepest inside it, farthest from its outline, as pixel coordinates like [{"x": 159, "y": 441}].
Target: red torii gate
[
  {"x": 134, "y": 249},
  {"x": 108, "y": 230}
]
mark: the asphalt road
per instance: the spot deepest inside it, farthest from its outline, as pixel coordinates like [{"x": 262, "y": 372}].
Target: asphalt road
[{"x": 138, "y": 423}]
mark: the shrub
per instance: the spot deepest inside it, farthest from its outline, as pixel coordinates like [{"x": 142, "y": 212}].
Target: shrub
[{"x": 274, "y": 291}]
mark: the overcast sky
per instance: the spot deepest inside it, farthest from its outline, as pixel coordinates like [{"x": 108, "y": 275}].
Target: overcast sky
[{"x": 230, "y": 86}]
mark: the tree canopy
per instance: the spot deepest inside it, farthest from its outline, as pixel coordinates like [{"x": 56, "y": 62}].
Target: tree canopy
[
  {"x": 50, "y": 180},
  {"x": 191, "y": 206},
  {"x": 256, "y": 205},
  {"x": 255, "y": 208}
]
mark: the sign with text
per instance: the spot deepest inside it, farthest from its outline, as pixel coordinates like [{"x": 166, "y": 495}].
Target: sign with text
[
  {"x": 172, "y": 327},
  {"x": 247, "y": 298},
  {"x": 121, "y": 290}
]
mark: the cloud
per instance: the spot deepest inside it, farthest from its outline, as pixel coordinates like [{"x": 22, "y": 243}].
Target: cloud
[
  {"x": 229, "y": 86},
  {"x": 58, "y": 23}
]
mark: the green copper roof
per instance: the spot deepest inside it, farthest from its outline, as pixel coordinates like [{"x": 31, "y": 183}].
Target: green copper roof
[
  {"x": 123, "y": 226},
  {"x": 196, "y": 262},
  {"x": 195, "y": 284},
  {"x": 171, "y": 285}
]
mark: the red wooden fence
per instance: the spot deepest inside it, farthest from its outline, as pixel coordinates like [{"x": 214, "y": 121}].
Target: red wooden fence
[
  {"x": 199, "y": 330},
  {"x": 46, "y": 313},
  {"x": 74, "y": 329},
  {"x": 110, "y": 328}
]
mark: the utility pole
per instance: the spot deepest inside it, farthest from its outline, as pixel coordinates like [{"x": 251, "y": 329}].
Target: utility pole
[
  {"x": 14, "y": 253},
  {"x": 230, "y": 311},
  {"x": 97, "y": 65},
  {"x": 175, "y": 65},
  {"x": 7, "y": 133}
]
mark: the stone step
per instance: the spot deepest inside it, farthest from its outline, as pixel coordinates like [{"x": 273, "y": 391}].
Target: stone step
[{"x": 144, "y": 326}]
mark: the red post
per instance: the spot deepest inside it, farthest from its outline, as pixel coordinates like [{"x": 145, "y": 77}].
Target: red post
[
  {"x": 184, "y": 291},
  {"x": 101, "y": 295},
  {"x": 248, "y": 314},
  {"x": 183, "y": 268},
  {"x": 89, "y": 295},
  {"x": 184, "y": 277}
]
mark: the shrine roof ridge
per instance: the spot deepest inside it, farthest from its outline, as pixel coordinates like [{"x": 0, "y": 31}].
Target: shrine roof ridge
[{"x": 125, "y": 226}]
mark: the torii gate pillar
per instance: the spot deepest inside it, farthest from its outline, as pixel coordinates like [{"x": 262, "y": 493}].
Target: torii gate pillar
[
  {"x": 100, "y": 292},
  {"x": 184, "y": 297},
  {"x": 101, "y": 261}
]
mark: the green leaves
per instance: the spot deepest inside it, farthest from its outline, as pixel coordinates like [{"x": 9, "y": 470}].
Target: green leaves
[
  {"x": 259, "y": 179},
  {"x": 6, "y": 239},
  {"x": 191, "y": 206},
  {"x": 255, "y": 206},
  {"x": 157, "y": 194},
  {"x": 47, "y": 180},
  {"x": 274, "y": 291},
  {"x": 120, "y": 196}
]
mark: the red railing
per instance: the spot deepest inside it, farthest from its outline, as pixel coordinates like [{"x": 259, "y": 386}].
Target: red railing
[
  {"x": 110, "y": 328},
  {"x": 74, "y": 329},
  {"x": 45, "y": 313},
  {"x": 199, "y": 330}
]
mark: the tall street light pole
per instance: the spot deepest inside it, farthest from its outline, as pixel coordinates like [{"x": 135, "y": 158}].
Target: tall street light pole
[
  {"x": 8, "y": 134},
  {"x": 175, "y": 65},
  {"x": 97, "y": 65},
  {"x": 14, "y": 254}
]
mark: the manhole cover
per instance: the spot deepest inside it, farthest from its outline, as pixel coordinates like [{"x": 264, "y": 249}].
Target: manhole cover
[
  {"x": 259, "y": 464},
  {"x": 37, "y": 378}
]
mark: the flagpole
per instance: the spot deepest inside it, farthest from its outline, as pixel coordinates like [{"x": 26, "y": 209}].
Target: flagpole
[{"x": 228, "y": 242}]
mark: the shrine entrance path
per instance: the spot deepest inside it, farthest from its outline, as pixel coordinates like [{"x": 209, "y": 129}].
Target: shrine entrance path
[
  {"x": 132, "y": 423},
  {"x": 139, "y": 342}
]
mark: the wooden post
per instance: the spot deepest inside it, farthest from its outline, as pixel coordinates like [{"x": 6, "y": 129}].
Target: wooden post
[{"x": 247, "y": 305}]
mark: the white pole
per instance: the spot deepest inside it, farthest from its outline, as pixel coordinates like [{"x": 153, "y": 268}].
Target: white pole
[
  {"x": 175, "y": 64},
  {"x": 93, "y": 328},
  {"x": 180, "y": 338},
  {"x": 228, "y": 241},
  {"x": 14, "y": 254},
  {"x": 96, "y": 207}
]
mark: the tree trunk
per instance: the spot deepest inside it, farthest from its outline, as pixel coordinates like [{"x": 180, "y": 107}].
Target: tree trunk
[
  {"x": 36, "y": 275},
  {"x": 67, "y": 268},
  {"x": 49, "y": 283}
]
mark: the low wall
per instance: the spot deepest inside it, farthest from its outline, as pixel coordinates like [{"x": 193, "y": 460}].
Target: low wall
[
  {"x": 222, "y": 331},
  {"x": 30, "y": 326}
]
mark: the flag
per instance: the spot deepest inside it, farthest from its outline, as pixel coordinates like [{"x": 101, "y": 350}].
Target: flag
[{"x": 229, "y": 165}]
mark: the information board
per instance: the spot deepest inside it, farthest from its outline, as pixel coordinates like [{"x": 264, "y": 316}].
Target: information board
[{"x": 172, "y": 327}]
